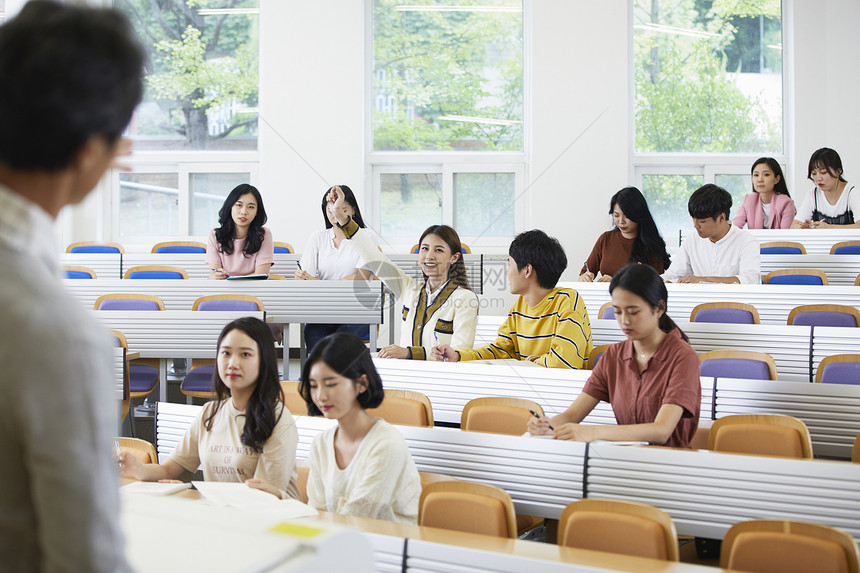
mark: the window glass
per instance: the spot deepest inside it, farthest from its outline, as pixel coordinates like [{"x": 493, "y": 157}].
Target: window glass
[
  {"x": 447, "y": 75},
  {"x": 202, "y": 74},
  {"x": 207, "y": 192},
  {"x": 484, "y": 204},
  {"x": 410, "y": 202},
  {"x": 737, "y": 185},
  {"x": 667, "y": 197},
  {"x": 708, "y": 76},
  {"x": 148, "y": 204}
]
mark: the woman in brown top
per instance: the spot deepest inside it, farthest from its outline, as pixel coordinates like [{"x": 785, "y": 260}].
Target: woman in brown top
[{"x": 635, "y": 239}]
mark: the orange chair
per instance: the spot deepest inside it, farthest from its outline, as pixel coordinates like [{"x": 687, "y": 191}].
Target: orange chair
[
  {"x": 855, "y": 451},
  {"x": 404, "y": 408},
  {"x": 766, "y": 546},
  {"x": 140, "y": 449},
  {"x": 498, "y": 415},
  {"x": 623, "y": 527},
  {"x": 302, "y": 482},
  {"x": 468, "y": 506},
  {"x": 761, "y": 435}
]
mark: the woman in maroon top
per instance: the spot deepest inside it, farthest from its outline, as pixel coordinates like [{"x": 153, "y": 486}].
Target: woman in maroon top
[
  {"x": 651, "y": 379},
  {"x": 635, "y": 239}
]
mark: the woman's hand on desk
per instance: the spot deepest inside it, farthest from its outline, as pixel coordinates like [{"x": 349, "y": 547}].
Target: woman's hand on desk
[
  {"x": 539, "y": 427},
  {"x": 217, "y": 274},
  {"x": 575, "y": 432},
  {"x": 586, "y": 277},
  {"x": 301, "y": 275},
  {"x": 129, "y": 466},
  {"x": 393, "y": 351},
  {"x": 263, "y": 485}
]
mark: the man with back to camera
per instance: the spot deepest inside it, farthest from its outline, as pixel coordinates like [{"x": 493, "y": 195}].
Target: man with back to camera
[
  {"x": 71, "y": 78},
  {"x": 547, "y": 326},
  {"x": 719, "y": 252}
]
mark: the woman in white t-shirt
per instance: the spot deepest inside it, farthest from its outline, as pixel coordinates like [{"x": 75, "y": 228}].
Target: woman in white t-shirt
[
  {"x": 362, "y": 465},
  {"x": 247, "y": 434},
  {"x": 329, "y": 256},
  {"x": 833, "y": 202}
]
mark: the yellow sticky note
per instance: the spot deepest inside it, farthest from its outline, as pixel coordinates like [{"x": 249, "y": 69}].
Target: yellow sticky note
[{"x": 296, "y": 530}]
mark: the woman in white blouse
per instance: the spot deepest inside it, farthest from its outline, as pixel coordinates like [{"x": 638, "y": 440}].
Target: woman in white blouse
[
  {"x": 361, "y": 466},
  {"x": 329, "y": 256}
]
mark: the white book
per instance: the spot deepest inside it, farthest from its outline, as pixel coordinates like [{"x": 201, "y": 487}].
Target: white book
[{"x": 154, "y": 487}]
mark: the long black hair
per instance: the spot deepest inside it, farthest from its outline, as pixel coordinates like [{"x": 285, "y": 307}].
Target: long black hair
[
  {"x": 225, "y": 233},
  {"x": 347, "y": 355},
  {"x": 649, "y": 244},
  {"x": 780, "y": 187},
  {"x": 644, "y": 282},
  {"x": 262, "y": 412},
  {"x": 349, "y": 198}
]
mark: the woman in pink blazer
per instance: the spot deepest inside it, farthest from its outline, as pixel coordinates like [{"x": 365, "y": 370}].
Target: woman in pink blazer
[{"x": 769, "y": 206}]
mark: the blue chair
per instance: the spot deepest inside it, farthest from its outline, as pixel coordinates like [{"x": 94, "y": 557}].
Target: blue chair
[
  {"x": 282, "y": 247},
  {"x": 143, "y": 374},
  {"x": 94, "y": 247},
  {"x": 796, "y": 277},
  {"x": 198, "y": 382},
  {"x": 155, "y": 272},
  {"x": 737, "y": 364},
  {"x": 782, "y": 248},
  {"x": 725, "y": 312},
  {"x": 846, "y": 248},
  {"x": 169, "y": 247},
  {"x": 824, "y": 315},
  {"x": 839, "y": 369},
  {"x": 606, "y": 311},
  {"x": 594, "y": 356},
  {"x": 75, "y": 272}
]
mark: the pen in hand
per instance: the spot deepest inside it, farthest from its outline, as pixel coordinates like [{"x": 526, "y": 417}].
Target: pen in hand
[
  {"x": 436, "y": 340},
  {"x": 536, "y": 415},
  {"x": 118, "y": 453}
]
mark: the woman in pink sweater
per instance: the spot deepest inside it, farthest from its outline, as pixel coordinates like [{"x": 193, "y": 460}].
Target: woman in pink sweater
[{"x": 769, "y": 206}]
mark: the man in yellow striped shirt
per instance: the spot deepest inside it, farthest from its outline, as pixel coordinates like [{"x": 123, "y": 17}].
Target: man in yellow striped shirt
[{"x": 548, "y": 325}]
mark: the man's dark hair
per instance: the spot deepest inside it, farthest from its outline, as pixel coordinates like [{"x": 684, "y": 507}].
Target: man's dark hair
[
  {"x": 708, "y": 201},
  {"x": 544, "y": 253},
  {"x": 67, "y": 74}
]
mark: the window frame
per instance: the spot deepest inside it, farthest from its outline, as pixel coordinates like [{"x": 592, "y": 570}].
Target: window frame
[{"x": 448, "y": 162}]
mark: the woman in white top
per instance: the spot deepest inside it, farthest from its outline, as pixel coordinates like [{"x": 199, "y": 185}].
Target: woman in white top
[
  {"x": 247, "y": 434},
  {"x": 329, "y": 256},
  {"x": 832, "y": 202},
  {"x": 441, "y": 309},
  {"x": 361, "y": 466}
]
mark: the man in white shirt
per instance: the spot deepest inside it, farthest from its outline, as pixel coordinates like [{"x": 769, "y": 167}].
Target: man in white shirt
[
  {"x": 71, "y": 79},
  {"x": 718, "y": 252}
]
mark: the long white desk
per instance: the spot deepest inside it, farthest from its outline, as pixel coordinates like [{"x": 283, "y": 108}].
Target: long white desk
[
  {"x": 170, "y": 333},
  {"x": 704, "y": 492},
  {"x": 831, "y": 411},
  {"x": 773, "y": 302}
]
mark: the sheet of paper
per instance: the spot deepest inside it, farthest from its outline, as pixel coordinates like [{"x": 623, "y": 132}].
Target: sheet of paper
[{"x": 241, "y": 496}]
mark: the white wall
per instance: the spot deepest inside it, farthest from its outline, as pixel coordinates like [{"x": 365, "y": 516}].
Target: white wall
[{"x": 313, "y": 118}]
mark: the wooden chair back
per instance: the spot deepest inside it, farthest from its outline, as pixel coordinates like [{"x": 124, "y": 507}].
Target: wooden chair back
[
  {"x": 761, "y": 435},
  {"x": 735, "y": 364},
  {"x": 765, "y": 545},
  {"x": 729, "y": 312},
  {"x": 140, "y": 449},
  {"x": 468, "y": 506},
  {"x": 179, "y": 247},
  {"x": 94, "y": 247},
  {"x": 217, "y": 297},
  {"x": 835, "y": 308},
  {"x": 606, "y": 311},
  {"x": 498, "y": 415},
  {"x": 302, "y": 480},
  {"x": 845, "y": 248},
  {"x": 405, "y": 408},
  {"x": 128, "y": 296},
  {"x": 802, "y": 276},
  {"x": 595, "y": 355},
  {"x": 848, "y": 369},
  {"x": 782, "y": 248},
  {"x": 623, "y": 527},
  {"x": 282, "y": 245},
  {"x": 156, "y": 270},
  {"x": 73, "y": 270},
  {"x": 292, "y": 399}
]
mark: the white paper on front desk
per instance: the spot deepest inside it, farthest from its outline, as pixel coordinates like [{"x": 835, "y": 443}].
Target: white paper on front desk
[{"x": 241, "y": 496}]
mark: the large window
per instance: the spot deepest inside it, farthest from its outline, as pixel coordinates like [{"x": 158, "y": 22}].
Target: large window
[
  {"x": 446, "y": 87},
  {"x": 195, "y": 132},
  {"x": 708, "y": 98}
]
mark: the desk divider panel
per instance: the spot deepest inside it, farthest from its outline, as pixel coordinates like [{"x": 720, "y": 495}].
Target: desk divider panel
[
  {"x": 388, "y": 552},
  {"x": 171, "y": 422},
  {"x": 119, "y": 373},
  {"x": 817, "y": 242},
  {"x": 840, "y": 269},
  {"x": 105, "y": 265},
  {"x": 193, "y": 263},
  {"x": 830, "y": 411},
  {"x": 706, "y": 492},
  {"x": 773, "y": 302}
]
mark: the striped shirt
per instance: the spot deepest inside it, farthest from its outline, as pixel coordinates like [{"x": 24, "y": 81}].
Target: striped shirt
[{"x": 555, "y": 333}]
